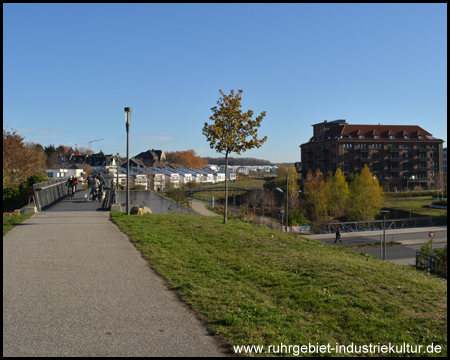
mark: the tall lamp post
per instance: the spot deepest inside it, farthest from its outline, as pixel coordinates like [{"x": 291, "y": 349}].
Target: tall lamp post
[
  {"x": 287, "y": 203},
  {"x": 407, "y": 188},
  {"x": 127, "y": 123},
  {"x": 384, "y": 213}
]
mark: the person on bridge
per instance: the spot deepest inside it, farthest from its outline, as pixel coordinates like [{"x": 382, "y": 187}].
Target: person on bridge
[
  {"x": 71, "y": 186},
  {"x": 338, "y": 236},
  {"x": 95, "y": 184},
  {"x": 101, "y": 179},
  {"x": 75, "y": 184}
]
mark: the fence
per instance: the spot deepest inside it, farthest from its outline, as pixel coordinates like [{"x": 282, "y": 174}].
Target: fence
[
  {"x": 378, "y": 224},
  {"x": 49, "y": 192},
  {"x": 430, "y": 263}
]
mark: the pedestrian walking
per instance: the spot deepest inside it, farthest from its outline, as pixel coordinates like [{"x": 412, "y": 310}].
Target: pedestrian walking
[
  {"x": 102, "y": 185},
  {"x": 338, "y": 236},
  {"x": 89, "y": 181},
  {"x": 95, "y": 185}
]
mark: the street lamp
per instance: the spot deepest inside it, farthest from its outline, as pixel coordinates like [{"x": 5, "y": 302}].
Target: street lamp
[
  {"x": 281, "y": 191},
  {"x": 384, "y": 213},
  {"x": 127, "y": 123},
  {"x": 287, "y": 204},
  {"x": 407, "y": 187}
]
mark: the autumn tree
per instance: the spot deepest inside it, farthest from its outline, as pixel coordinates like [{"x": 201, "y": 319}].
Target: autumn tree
[
  {"x": 337, "y": 193},
  {"x": 314, "y": 189},
  {"x": 232, "y": 131},
  {"x": 292, "y": 179},
  {"x": 254, "y": 199},
  {"x": 20, "y": 161},
  {"x": 188, "y": 158},
  {"x": 366, "y": 197},
  {"x": 267, "y": 199}
]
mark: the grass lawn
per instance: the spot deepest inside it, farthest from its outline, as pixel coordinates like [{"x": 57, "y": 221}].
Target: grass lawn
[
  {"x": 9, "y": 222},
  {"x": 254, "y": 286},
  {"x": 418, "y": 206}
]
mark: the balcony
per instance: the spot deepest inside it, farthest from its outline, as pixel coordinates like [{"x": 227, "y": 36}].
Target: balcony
[
  {"x": 423, "y": 159},
  {"x": 396, "y": 159},
  {"x": 394, "y": 149},
  {"x": 364, "y": 150},
  {"x": 365, "y": 160}
]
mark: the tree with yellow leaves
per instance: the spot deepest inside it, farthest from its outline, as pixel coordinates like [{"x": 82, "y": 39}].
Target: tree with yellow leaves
[
  {"x": 232, "y": 131},
  {"x": 292, "y": 179},
  {"x": 366, "y": 197},
  {"x": 315, "y": 191},
  {"x": 337, "y": 193}
]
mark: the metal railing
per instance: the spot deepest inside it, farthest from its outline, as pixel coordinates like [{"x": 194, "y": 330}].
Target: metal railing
[
  {"x": 49, "y": 192},
  {"x": 378, "y": 224}
]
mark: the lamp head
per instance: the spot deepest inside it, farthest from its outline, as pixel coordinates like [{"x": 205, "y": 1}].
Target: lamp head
[{"x": 127, "y": 116}]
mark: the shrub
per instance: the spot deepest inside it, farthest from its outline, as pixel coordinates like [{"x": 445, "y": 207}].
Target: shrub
[
  {"x": 297, "y": 218},
  {"x": 440, "y": 202},
  {"x": 179, "y": 196},
  {"x": 441, "y": 254},
  {"x": 16, "y": 197}
]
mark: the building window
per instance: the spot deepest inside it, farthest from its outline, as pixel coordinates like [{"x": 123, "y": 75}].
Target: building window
[
  {"x": 375, "y": 136},
  {"x": 405, "y": 137},
  {"x": 391, "y": 137},
  {"x": 360, "y": 137},
  {"x": 420, "y": 137}
]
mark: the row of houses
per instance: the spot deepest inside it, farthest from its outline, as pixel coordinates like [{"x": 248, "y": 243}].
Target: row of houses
[
  {"x": 113, "y": 169},
  {"x": 157, "y": 179}
]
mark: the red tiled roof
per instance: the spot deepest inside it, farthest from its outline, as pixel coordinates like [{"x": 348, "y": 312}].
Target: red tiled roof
[{"x": 399, "y": 131}]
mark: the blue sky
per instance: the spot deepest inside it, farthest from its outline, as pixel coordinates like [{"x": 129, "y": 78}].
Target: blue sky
[{"x": 70, "y": 69}]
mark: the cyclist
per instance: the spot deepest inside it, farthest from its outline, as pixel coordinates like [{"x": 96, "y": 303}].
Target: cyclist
[
  {"x": 75, "y": 184},
  {"x": 70, "y": 186}
]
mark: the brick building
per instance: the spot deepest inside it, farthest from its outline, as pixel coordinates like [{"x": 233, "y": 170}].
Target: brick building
[{"x": 401, "y": 156}]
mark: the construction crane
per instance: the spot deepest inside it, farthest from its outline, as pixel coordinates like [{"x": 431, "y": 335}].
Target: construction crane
[
  {"x": 90, "y": 151},
  {"x": 76, "y": 146}
]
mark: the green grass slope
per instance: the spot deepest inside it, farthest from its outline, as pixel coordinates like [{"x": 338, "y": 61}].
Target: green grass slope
[{"x": 255, "y": 286}]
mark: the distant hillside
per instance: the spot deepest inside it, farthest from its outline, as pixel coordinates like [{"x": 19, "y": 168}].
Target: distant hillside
[{"x": 238, "y": 161}]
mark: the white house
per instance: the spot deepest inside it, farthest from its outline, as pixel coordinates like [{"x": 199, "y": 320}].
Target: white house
[
  {"x": 55, "y": 174},
  {"x": 231, "y": 175},
  {"x": 218, "y": 176},
  {"x": 195, "y": 177},
  {"x": 173, "y": 178},
  {"x": 185, "y": 176},
  {"x": 207, "y": 176}
]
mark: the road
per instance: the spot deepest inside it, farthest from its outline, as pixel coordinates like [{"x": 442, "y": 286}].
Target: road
[
  {"x": 411, "y": 240},
  {"x": 399, "y": 254}
]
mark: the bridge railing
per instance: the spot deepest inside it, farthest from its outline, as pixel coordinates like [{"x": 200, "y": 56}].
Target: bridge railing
[
  {"x": 378, "y": 224},
  {"x": 49, "y": 192}
]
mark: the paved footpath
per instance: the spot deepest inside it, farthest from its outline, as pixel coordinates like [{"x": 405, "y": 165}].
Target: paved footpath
[
  {"x": 199, "y": 206},
  {"x": 74, "y": 285}
]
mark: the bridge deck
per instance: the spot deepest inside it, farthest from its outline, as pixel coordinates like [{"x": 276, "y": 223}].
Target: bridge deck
[{"x": 78, "y": 203}]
